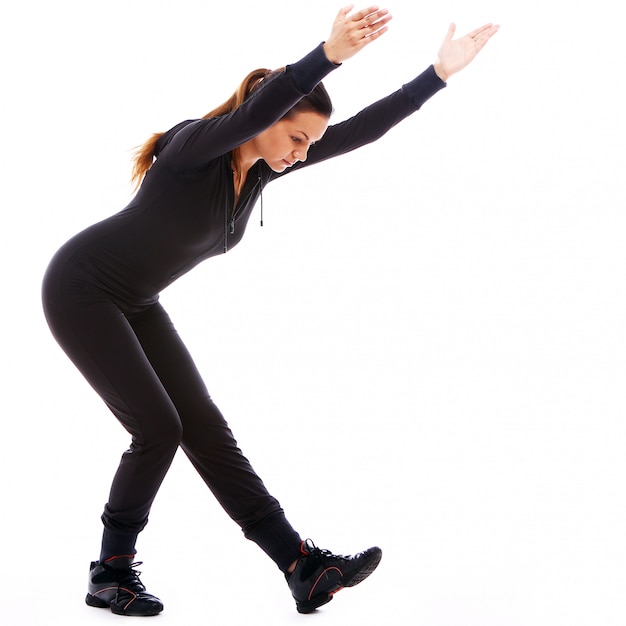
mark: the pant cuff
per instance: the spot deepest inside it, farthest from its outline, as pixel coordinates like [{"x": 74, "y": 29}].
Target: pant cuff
[{"x": 277, "y": 538}]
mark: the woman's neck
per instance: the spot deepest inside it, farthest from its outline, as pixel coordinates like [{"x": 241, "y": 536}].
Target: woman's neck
[{"x": 243, "y": 159}]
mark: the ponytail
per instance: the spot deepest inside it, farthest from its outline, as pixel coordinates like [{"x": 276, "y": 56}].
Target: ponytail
[{"x": 143, "y": 158}]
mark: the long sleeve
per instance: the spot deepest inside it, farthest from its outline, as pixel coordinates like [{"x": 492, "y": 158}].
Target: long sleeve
[
  {"x": 373, "y": 121},
  {"x": 198, "y": 142}
]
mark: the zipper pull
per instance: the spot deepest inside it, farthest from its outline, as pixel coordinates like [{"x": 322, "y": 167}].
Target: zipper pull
[{"x": 232, "y": 226}]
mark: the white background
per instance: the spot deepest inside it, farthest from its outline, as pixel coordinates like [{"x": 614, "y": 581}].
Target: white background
[{"x": 423, "y": 348}]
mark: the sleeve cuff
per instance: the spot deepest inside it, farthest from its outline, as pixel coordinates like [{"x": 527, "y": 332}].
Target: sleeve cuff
[
  {"x": 311, "y": 69},
  {"x": 423, "y": 87}
]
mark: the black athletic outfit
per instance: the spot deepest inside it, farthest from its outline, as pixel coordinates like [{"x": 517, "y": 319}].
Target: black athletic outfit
[{"x": 101, "y": 290}]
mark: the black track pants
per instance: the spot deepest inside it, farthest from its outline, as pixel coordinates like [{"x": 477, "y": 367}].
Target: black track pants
[{"x": 144, "y": 373}]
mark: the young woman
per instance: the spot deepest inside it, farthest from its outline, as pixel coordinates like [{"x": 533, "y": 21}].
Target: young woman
[{"x": 199, "y": 183}]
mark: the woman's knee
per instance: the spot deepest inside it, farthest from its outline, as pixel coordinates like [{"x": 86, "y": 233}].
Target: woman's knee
[{"x": 165, "y": 430}]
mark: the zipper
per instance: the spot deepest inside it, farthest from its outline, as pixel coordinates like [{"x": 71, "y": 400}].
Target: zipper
[{"x": 229, "y": 226}]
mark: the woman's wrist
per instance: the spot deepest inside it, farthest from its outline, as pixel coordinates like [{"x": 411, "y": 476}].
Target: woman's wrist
[
  {"x": 330, "y": 54},
  {"x": 311, "y": 69},
  {"x": 441, "y": 72}
]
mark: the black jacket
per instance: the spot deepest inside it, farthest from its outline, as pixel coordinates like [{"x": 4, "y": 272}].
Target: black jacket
[{"x": 184, "y": 211}]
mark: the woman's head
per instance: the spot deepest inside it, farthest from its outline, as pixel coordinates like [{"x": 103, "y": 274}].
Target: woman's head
[{"x": 288, "y": 140}]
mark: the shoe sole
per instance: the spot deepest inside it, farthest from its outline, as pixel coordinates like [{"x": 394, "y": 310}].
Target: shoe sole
[
  {"x": 101, "y": 604},
  {"x": 361, "y": 574},
  {"x": 308, "y": 606}
]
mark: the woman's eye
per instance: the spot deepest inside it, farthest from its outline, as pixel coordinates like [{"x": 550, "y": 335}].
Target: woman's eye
[{"x": 297, "y": 139}]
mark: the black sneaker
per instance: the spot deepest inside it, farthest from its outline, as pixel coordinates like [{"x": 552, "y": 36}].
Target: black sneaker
[
  {"x": 320, "y": 574},
  {"x": 115, "y": 584}
]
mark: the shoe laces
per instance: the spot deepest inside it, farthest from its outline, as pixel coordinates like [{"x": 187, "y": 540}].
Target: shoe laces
[
  {"x": 131, "y": 574},
  {"x": 132, "y": 568},
  {"x": 310, "y": 549}
]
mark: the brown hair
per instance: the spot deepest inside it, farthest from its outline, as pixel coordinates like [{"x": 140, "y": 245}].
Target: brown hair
[{"x": 318, "y": 101}]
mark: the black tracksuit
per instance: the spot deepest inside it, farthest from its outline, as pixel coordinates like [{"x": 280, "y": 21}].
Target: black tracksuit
[{"x": 101, "y": 290}]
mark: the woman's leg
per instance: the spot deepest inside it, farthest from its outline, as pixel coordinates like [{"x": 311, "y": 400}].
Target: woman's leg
[
  {"x": 131, "y": 365},
  {"x": 100, "y": 341},
  {"x": 209, "y": 443}
]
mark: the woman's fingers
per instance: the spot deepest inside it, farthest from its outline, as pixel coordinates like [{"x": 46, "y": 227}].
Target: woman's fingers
[
  {"x": 352, "y": 33},
  {"x": 363, "y": 13},
  {"x": 371, "y": 20},
  {"x": 375, "y": 22},
  {"x": 451, "y": 30},
  {"x": 481, "y": 31},
  {"x": 344, "y": 12}
]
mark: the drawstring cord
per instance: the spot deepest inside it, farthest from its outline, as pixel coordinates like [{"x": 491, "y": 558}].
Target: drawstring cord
[{"x": 261, "y": 200}]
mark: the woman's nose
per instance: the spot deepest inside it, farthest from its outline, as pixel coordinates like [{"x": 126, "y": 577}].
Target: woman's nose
[{"x": 301, "y": 153}]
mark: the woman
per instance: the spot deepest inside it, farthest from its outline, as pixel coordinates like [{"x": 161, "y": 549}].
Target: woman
[{"x": 199, "y": 183}]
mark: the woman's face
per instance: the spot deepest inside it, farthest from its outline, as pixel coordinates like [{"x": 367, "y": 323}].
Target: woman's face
[{"x": 288, "y": 141}]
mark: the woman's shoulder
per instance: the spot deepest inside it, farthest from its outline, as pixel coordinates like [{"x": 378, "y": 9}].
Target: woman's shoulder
[{"x": 167, "y": 136}]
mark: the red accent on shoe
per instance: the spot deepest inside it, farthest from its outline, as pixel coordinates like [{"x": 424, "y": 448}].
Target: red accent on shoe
[
  {"x": 132, "y": 593},
  {"x": 328, "y": 569}
]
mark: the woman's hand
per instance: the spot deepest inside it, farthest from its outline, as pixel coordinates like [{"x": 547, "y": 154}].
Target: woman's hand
[
  {"x": 351, "y": 34},
  {"x": 455, "y": 54}
]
